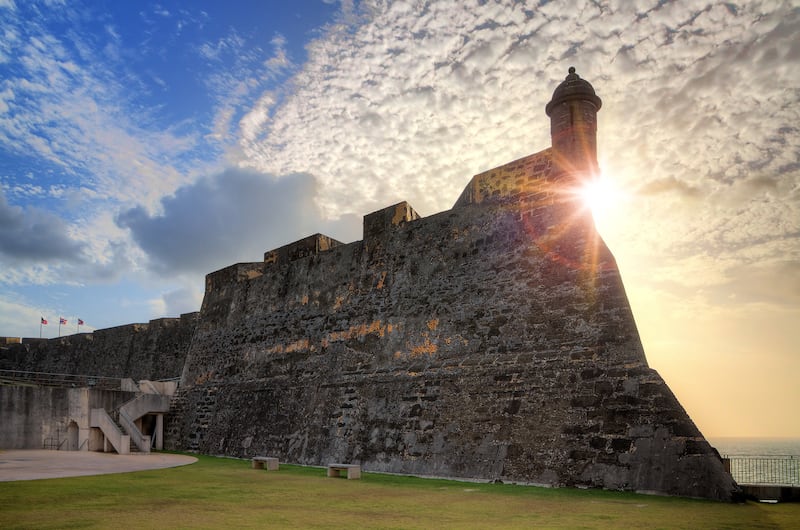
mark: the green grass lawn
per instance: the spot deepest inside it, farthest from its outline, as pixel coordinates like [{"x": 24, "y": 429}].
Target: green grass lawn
[{"x": 224, "y": 493}]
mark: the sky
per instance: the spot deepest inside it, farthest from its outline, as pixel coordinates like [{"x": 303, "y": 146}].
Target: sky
[{"x": 146, "y": 144}]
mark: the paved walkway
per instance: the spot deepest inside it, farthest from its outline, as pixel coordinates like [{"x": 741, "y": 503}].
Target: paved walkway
[{"x": 32, "y": 464}]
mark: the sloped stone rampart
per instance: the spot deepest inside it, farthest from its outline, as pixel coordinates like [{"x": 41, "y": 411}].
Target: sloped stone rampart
[{"x": 491, "y": 341}]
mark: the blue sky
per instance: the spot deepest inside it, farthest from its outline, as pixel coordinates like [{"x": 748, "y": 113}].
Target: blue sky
[
  {"x": 143, "y": 145},
  {"x": 108, "y": 107}
]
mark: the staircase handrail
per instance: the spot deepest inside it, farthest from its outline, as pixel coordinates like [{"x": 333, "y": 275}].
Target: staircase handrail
[
  {"x": 142, "y": 441},
  {"x": 135, "y": 408},
  {"x": 121, "y": 442},
  {"x": 115, "y": 410},
  {"x": 151, "y": 385},
  {"x": 145, "y": 404}
]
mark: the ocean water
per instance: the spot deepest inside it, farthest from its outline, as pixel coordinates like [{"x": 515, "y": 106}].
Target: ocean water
[
  {"x": 762, "y": 460},
  {"x": 756, "y": 446}
]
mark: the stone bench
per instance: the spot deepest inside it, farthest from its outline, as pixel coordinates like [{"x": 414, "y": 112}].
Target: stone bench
[
  {"x": 271, "y": 462},
  {"x": 353, "y": 470}
]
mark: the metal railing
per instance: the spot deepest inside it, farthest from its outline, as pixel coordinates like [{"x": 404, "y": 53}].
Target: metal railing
[
  {"x": 65, "y": 380},
  {"x": 53, "y": 444},
  {"x": 59, "y": 380},
  {"x": 773, "y": 469}
]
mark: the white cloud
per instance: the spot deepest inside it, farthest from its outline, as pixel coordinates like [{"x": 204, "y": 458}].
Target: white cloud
[
  {"x": 64, "y": 103},
  {"x": 254, "y": 121},
  {"x": 243, "y": 82},
  {"x": 14, "y": 311},
  {"x": 279, "y": 62}
]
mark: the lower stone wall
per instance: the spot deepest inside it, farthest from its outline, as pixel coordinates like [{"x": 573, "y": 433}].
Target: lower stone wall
[{"x": 543, "y": 421}]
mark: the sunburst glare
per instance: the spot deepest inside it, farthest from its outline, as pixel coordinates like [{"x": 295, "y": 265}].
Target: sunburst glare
[{"x": 603, "y": 196}]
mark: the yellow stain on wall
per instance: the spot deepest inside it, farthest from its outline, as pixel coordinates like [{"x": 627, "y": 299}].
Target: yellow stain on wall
[
  {"x": 202, "y": 378},
  {"x": 433, "y": 324},
  {"x": 362, "y": 330},
  {"x": 304, "y": 300},
  {"x": 399, "y": 214},
  {"x": 253, "y": 274},
  {"x": 298, "y": 345},
  {"x": 354, "y": 332},
  {"x": 426, "y": 348},
  {"x": 337, "y": 304},
  {"x": 381, "y": 280}
]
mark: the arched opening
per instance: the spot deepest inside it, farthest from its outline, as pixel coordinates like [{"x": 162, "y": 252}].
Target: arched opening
[{"x": 72, "y": 436}]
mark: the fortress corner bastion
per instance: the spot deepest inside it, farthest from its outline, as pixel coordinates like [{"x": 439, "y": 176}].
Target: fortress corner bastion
[{"x": 490, "y": 341}]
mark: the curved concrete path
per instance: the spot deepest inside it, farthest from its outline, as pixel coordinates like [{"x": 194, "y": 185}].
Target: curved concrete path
[{"x": 32, "y": 464}]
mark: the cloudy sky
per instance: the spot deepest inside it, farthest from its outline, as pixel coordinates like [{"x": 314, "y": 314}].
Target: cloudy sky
[{"x": 143, "y": 145}]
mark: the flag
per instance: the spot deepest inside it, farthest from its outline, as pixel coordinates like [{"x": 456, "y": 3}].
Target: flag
[
  {"x": 44, "y": 321},
  {"x": 80, "y": 322},
  {"x": 62, "y": 320}
]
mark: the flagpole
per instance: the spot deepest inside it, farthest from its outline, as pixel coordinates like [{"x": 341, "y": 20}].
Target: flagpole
[
  {"x": 40, "y": 328},
  {"x": 59, "y": 326}
]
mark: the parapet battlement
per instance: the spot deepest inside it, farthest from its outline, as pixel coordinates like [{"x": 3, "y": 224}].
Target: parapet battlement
[
  {"x": 376, "y": 226},
  {"x": 527, "y": 180}
]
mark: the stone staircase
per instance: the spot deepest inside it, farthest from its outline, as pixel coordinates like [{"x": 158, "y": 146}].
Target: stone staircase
[
  {"x": 114, "y": 438},
  {"x": 133, "y": 448},
  {"x": 120, "y": 429}
]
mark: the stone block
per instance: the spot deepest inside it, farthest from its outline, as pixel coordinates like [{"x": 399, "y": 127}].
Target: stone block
[
  {"x": 379, "y": 224},
  {"x": 308, "y": 246}
]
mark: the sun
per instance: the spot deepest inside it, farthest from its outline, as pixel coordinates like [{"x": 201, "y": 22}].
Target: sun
[{"x": 602, "y": 196}]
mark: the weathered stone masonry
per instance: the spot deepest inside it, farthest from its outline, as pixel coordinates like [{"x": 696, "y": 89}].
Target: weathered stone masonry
[
  {"x": 490, "y": 341},
  {"x": 155, "y": 350}
]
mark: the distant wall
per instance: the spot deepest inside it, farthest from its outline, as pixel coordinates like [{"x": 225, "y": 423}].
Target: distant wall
[
  {"x": 32, "y": 415},
  {"x": 156, "y": 350}
]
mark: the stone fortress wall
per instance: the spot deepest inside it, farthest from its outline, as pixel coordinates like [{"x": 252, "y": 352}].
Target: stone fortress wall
[{"x": 490, "y": 341}]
